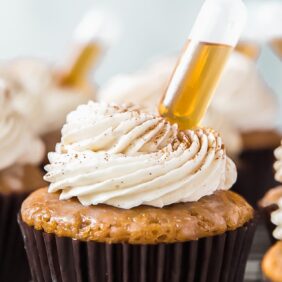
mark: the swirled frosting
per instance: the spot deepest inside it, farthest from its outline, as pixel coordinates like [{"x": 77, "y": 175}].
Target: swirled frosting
[
  {"x": 276, "y": 218},
  {"x": 125, "y": 158},
  {"x": 37, "y": 96},
  {"x": 278, "y": 163},
  {"x": 17, "y": 143}
]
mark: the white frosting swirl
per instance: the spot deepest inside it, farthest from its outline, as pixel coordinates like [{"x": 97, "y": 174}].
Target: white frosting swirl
[
  {"x": 37, "y": 96},
  {"x": 278, "y": 163},
  {"x": 276, "y": 218},
  {"x": 125, "y": 158},
  {"x": 17, "y": 143}
]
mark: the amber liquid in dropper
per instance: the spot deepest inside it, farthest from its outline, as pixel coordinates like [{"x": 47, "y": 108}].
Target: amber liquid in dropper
[
  {"x": 193, "y": 83},
  {"x": 248, "y": 49},
  {"x": 276, "y": 45},
  {"x": 76, "y": 73}
]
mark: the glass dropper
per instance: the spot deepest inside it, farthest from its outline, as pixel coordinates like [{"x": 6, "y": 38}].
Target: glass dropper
[{"x": 214, "y": 35}]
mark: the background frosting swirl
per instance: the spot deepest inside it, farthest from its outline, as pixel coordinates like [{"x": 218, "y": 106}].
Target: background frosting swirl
[
  {"x": 124, "y": 157},
  {"x": 278, "y": 163},
  {"x": 37, "y": 95},
  {"x": 276, "y": 216},
  {"x": 17, "y": 143}
]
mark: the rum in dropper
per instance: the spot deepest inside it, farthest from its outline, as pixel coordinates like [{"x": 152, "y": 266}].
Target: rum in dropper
[
  {"x": 83, "y": 59},
  {"x": 194, "y": 82}
]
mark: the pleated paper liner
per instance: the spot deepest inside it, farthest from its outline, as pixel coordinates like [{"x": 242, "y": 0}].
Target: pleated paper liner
[
  {"x": 255, "y": 174},
  {"x": 266, "y": 216},
  {"x": 13, "y": 261},
  {"x": 218, "y": 258}
]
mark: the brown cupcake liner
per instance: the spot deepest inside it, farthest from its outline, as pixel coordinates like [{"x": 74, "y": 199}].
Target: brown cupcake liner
[
  {"x": 13, "y": 260},
  {"x": 213, "y": 259},
  {"x": 255, "y": 174},
  {"x": 266, "y": 216}
]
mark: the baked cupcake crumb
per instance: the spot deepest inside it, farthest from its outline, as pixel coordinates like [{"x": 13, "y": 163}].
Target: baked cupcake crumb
[{"x": 212, "y": 215}]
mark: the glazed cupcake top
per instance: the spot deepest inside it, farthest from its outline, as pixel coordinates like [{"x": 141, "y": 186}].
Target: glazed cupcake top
[
  {"x": 37, "y": 96},
  {"x": 123, "y": 157},
  {"x": 212, "y": 215},
  {"x": 18, "y": 145}
]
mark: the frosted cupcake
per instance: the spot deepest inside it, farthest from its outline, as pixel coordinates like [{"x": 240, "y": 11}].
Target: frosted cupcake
[
  {"x": 132, "y": 198},
  {"x": 272, "y": 200},
  {"x": 40, "y": 99},
  {"x": 20, "y": 154},
  {"x": 272, "y": 261},
  {"x": 250, "y": 138}
]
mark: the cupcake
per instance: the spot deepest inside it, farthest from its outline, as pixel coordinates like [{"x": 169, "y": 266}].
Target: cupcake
[
  {"x": 132, "y": 198},
  {"x": 267, "y": 205},
  {"x": 272, "y": 261},
  {"x": 250, "y": 138},
  {"x": 39, "y": 97},
  {"x": 272, "y": 200},
  {"x": 20, "y": 154}
]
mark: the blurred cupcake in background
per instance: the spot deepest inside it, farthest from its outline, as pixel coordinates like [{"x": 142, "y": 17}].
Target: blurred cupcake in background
[
  {"x": 241, "y": 94},
  {"x": 21, "y": 152},
  {"x": 245, "y": 101},
  {"x": 272, "y": 261},
  {"x": 271, "y": 203},
  {"x": 133, "y": 198},
  {"x": 44, "y": 94},
  {"x": 39, "y": 98}
]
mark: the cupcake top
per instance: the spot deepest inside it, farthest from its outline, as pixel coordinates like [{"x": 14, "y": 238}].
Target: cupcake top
[
  {"x": 241, "y": 83},
  {"x": 37, "y": 96},
  {"x": 18, "y": 145},
  {"x": 125, "y": 158}
]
